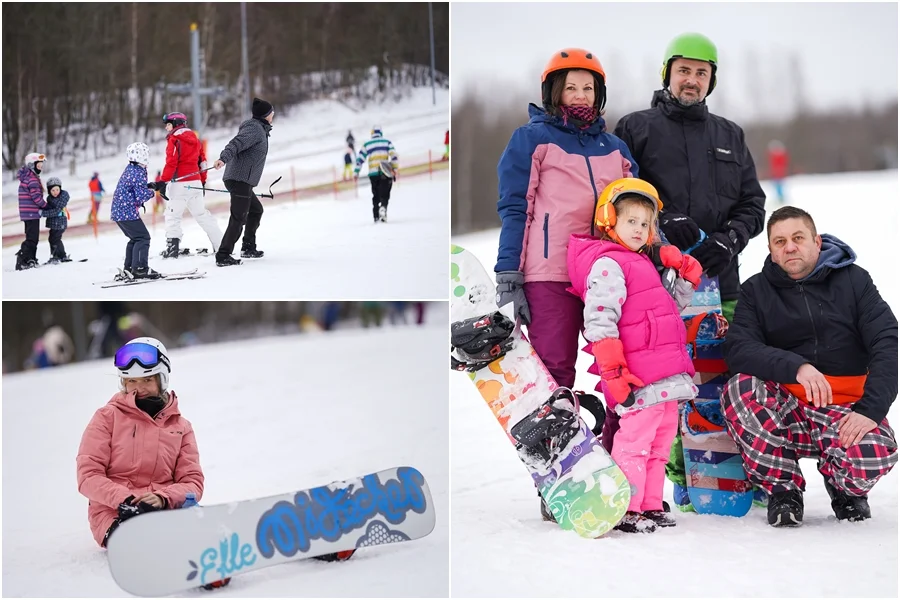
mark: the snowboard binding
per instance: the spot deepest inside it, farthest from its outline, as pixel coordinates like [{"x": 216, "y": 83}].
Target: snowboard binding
[
  {"x": 548, "y": 430},
  {"x": 479, "y": 341}
]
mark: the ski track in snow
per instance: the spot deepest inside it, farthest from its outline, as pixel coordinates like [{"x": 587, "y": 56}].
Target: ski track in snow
[
  {"x": 284, "y": 421},
  {"x": 500, "y": 546}
]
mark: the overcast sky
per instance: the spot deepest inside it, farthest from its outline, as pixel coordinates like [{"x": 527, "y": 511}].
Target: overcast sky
[{"x": 847, "y": 53}]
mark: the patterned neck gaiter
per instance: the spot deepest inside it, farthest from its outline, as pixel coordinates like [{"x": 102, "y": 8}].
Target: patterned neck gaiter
[{"x": 582, "y": 116}]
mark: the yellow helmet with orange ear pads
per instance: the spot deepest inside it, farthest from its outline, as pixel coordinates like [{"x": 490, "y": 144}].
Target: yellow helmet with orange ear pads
[{"x": 605, "y": 213}]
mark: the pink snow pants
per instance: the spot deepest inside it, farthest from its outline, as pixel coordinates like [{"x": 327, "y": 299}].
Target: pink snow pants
[{"x": 641, "y": 449}]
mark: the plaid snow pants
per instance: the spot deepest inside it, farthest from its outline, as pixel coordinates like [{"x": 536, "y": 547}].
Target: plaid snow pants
[{"x": 773, "y": 429}]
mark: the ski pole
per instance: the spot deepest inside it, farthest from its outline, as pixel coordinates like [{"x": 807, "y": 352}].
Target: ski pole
[
  {"x": 269, "y": 195},
  {"x": 190, "y": 174}
]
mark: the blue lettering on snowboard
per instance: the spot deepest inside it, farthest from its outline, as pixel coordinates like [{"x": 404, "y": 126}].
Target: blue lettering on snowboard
[
  {"x": 328, "y": 514},
  {"x": 230, "y": 556}
]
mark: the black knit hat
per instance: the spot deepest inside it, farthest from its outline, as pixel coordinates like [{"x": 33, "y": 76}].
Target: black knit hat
[{"x": 261, "y": 108}]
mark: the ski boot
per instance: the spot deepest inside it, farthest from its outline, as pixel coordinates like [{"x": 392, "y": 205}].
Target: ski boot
[
  {"x": 145, "y": 273},
  {"x": 251, "y": 253},
  {"x": 124, "y": 275},
  {"x": 786, "y": 509},
  {"x": 336, "y": 556},
  {"x": 382, "y": 213},
  {"x": 847, "y": 507},
  {"x": 172, "y": 250},
  {"x": 479, "y": 341},
  {"x": 544, "y": 434},
  {"x": 226, "y": 260},
  {"x": 635, "y": 522},
  {"x": 24, "y": 261},
  {"x": 216, "y": 584}
]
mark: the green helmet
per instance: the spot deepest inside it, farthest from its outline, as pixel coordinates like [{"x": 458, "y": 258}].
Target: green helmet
[{"x": 695, "y": 46}]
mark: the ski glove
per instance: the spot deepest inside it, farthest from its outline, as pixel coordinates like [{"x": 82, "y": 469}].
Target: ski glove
[
  {"x": 716, "y": 252},
  {"x": 510, "y": 288},
  {"x": 670, "y": 257},
  {"x": 127, "y": 510},
  {"x": 614, "y": 371},
  {"x": 159, "y": 186},
  {"x": 680, "y": 230}
]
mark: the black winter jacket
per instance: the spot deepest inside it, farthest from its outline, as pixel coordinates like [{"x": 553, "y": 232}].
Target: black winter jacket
[
  {"x": 702, "y": 168},
  {"x": 834, "y": 319},
  {"x": 245, "y": 155}
]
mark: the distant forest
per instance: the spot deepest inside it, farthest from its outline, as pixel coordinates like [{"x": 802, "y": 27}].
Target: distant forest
[{"x": 73, "y": 68}]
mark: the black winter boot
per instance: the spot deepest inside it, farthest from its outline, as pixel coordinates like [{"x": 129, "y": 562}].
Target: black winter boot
[
  {"x": 251, "y": 253},
  {"x": 847, "y": 507},
  {"x": 226, "y": 260},
  {"x": 786, "y": 509}
]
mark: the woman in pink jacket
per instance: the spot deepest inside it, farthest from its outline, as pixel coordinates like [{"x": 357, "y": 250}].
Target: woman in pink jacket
[
  {"x": 138, "y": 454},
  {"x": 637, "y": 337}
]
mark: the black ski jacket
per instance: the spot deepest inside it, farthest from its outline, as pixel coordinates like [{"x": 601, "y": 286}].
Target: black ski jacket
[
  {"x": 834, "y": 319},
  {"x": 701, "y": 167}
]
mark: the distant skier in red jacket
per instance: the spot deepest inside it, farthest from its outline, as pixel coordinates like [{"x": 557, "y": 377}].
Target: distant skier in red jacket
[{"x": 778, "y": 167}]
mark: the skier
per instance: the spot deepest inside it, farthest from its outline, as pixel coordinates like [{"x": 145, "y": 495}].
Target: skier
[
  {"x": 811, "y": 383},
  {"x": 245, "y": 156},
  {"x": 120, "y": 482},
  {"x": 97, "y": 191},
  {"x": 702, "y": 166},
  {"x": 548, "y": 179},
  {"x": 131, "y": 192},
  {"x": 382, "y": 170},
  {"x": 184, "y": 157},
  {"x": 31, "y": 201},
  {"x": 348, "y": 163},
  {"x": 57, "y": 219},
  {"x": 446, "y": 146},
  {"x": 643, "y": 377},
  {"x": 351, "y": 141}
]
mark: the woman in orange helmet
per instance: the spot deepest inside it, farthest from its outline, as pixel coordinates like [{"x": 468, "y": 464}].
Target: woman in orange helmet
[
  {"x": 636, "y": 336},
  {"x": 550, "y": 176}
]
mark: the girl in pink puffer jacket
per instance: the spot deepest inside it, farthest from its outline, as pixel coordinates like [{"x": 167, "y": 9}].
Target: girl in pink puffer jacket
[{"x": 637, "y": 337}]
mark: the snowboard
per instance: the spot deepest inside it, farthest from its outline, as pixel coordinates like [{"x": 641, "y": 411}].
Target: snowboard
[
  {"x": 170, "y": 551},
  {"x": 584, "y": 489},
  {"x": 716, "y": 481}
]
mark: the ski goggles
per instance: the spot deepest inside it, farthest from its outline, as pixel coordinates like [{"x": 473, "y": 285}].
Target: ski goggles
[{"x": 143, "y": 354}]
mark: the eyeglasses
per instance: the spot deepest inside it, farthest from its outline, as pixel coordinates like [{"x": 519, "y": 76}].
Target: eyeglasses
[{"x": 143, "y": 354}]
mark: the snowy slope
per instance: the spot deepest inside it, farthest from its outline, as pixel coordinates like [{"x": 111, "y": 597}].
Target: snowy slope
[
  {"x": 271, "y": 415},
  {"x": 315, "y": 249},
  {"x": 500, "y": 546}
]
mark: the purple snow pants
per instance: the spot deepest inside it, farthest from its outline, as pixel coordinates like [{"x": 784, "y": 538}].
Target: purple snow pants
[{"x": 557, "y": 317}]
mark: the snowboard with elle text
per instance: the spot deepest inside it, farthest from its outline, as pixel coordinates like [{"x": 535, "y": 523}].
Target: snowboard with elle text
[
  {"x": 716, "y": 481},
  {"x": 584, "y": 489},
  {"x": 170, "y": 551}
]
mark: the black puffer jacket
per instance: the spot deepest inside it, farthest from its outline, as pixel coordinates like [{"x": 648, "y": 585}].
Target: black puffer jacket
[
  {"x": 702, "y": 168},
  {"x": 834, "y": 319}
]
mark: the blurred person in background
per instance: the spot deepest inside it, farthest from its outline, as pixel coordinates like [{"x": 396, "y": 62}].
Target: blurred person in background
[
  {"x": 778, "y": 167},
  {"x": 371, "y": 312},
  {"x": 52, "y": 349},
  {"x": 97, "y": 191},
  {"x": 701, "y": 166}
]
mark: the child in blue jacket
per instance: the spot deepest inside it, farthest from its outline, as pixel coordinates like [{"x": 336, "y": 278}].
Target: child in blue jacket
[{"x": 131, "y": 193}]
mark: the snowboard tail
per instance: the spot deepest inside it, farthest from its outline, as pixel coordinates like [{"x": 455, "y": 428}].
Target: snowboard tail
[{"x": 170, "y": 551}]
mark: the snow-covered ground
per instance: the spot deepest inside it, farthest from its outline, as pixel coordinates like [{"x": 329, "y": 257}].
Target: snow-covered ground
[
  {"x": 271, "y": 415},
  {"x": 320, "y": 248},
  {"x": 500, "y": 546}
]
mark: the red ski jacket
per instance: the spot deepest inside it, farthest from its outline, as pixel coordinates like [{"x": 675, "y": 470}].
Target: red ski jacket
[{"x": 184, "y": 155}]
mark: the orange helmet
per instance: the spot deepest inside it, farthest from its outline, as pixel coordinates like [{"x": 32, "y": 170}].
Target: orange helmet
[
  {"x": 573, "y": 58},
  {"x": 605, "y": 212}
]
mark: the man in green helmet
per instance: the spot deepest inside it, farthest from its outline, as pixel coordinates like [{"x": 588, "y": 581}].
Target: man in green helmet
[{"x": 705, "y": 175}]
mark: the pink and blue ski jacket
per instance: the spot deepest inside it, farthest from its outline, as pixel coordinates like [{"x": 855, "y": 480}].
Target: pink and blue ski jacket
[
  {"x": 31, "y": 195},
  {"x": 550, "y": 177},
  {"x": 624, "y": 297}
]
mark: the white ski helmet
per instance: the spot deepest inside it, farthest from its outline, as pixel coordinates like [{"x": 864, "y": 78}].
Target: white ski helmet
[
  {"x": 143, "y": 357},
  {"x": 32, "y": 158},
  {"x": 58, "y": 346},
  {"x": 138, "y": 152}
]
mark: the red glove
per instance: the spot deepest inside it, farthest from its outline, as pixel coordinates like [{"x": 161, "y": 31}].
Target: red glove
[
  {"x": 613, "y": 369},
  {"x": 691, "y": 270},
  {"x": 670, "y": 256}
]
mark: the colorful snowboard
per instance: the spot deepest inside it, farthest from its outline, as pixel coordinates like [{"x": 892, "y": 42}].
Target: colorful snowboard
[
  {"x": 714, "y": 469},
  {"x": 584, "y": 489},
  {"x": 170, "y": 551}
]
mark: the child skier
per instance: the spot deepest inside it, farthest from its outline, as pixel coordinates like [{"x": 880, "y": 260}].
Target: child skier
[
  {"x": 637, "y": 337},
  {"x": 131, "y": 193},
  {"x": 121, "y": 482},
  {"x": 184, "y": 158},
  {"x": 31, "y": 201},
  {"x": 57, "y": 219}
]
